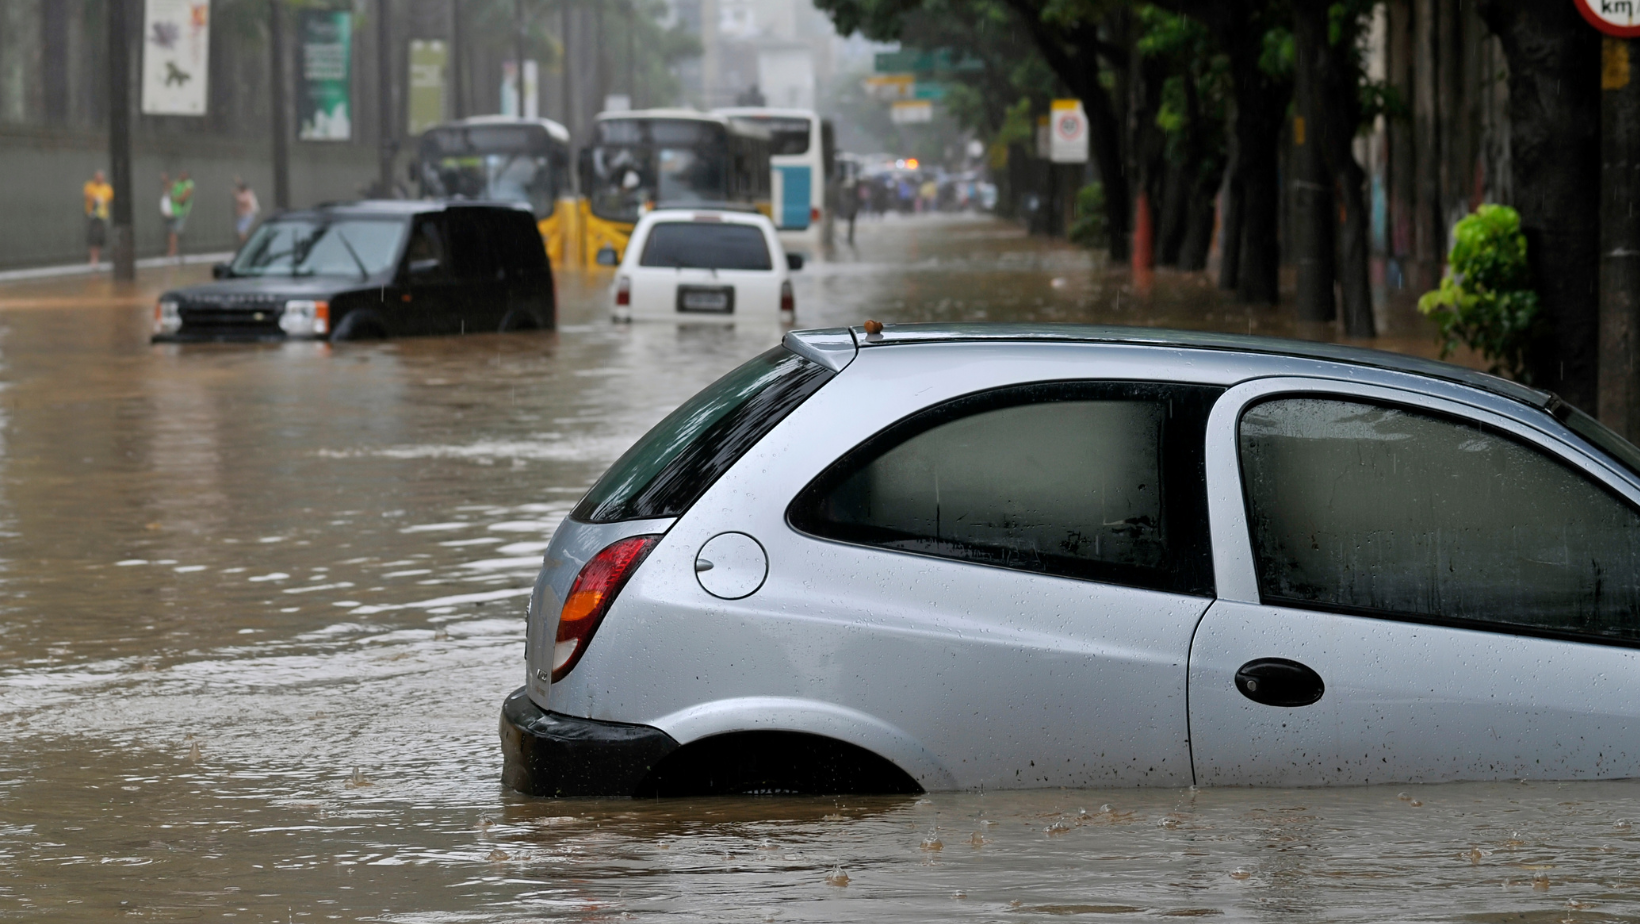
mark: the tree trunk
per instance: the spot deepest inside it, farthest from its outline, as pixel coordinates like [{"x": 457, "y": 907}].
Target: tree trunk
[
  {"x": 1198, "y": 234},
  {"x": 1255, "y": 185},
  {"x": 1337, "y": 119},
  {"x": 1073, "y": 56},
  {"x": 1175, "y": 215},
  {"x": 1554, "y": 103},
  {"x": 1230, "y": 233},
  {"x": 1312, "y": 244}
]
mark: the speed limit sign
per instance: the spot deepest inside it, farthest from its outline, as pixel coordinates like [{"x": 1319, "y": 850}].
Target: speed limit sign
[{"x": 1620, "y": 18}]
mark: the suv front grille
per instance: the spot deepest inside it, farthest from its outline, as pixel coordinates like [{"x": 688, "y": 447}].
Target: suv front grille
[{"x": 243, "y": 315}]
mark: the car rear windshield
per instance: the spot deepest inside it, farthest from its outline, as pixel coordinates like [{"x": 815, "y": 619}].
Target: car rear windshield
[
  {"x": 704, "y": 245},
  {"x": 666, "y": 471}
]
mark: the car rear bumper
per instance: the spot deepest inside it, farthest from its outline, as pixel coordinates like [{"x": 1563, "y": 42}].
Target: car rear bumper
[{"x": 547, "y": 754}]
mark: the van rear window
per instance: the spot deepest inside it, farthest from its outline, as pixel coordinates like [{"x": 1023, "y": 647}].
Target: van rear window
[
  {"x": 703, "y": 245},
  {"x": 666, "y": 471}
]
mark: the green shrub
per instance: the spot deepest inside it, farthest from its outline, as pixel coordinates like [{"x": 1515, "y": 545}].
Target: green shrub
[
  {"x": 1486, "y": 300},
  {"x": 1088, "y": 227}
]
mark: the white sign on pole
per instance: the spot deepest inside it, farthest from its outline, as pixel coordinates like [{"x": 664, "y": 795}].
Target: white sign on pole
[
  {"x": 176, "y": 46},
  {"x": 911, "y": 111},
  {"x": 1068, "y": 132}
]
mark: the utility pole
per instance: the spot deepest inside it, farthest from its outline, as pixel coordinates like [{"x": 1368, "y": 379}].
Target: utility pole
[
  {"x": 564, "y": 84},
  {"x": 518, "y": 57},
  {"x": 119, "y": 142},
  {"x": 281, "y": 131},
  {"x": 458, "y": 81},
  {"x": 1619, "y": 367},
  {"x": 632, "y": 52},
  {"x": 384, "y": 95}
]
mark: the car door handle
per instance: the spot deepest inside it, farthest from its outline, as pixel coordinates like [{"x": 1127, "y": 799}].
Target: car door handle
[{"x": 1279, "y": 682}]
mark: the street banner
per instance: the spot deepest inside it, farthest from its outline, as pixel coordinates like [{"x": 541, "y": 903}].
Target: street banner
[
  {"x": 1068, "y": 138},
  {"x": 176, "y": 46},
  {"x": 427, "y": 62},
  {"x": 324, "y": 102}
]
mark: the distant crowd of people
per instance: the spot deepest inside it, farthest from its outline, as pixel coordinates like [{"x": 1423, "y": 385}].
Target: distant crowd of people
[{"x": 176, "y": 203}]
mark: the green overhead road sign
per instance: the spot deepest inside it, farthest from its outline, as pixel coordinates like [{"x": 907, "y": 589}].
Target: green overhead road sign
[{"x": 916, "y": 61}]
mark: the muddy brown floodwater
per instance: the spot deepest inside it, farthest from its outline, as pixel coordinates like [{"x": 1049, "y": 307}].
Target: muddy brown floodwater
[{"x": 259, "y": 606}]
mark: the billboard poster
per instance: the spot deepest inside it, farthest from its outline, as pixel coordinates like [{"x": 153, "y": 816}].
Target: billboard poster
[
  {"x": 428, "y": 58},
  {"x": 176, "y": 46},
  {"x": 324, "y": 102}
]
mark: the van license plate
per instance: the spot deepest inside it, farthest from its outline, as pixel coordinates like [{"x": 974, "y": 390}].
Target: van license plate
[{"x": 706, "y": 300}]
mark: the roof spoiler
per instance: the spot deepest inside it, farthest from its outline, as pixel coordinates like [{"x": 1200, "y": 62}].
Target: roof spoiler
[{"x": 832, "y": 347}]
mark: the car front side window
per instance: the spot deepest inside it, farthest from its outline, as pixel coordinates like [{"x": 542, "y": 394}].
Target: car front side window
[
  {"x": 1094, "y": 480},
  {"x": 1364, "y": 507}
]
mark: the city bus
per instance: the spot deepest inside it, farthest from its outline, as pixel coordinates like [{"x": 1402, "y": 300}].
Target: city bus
[
  {"x": 643, "y": 159},
  {"x": 801, "y": 157},
  {"x": 505, "y": 159}
]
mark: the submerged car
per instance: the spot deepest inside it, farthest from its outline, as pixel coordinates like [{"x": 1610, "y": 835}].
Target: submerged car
[
  {"x": 994, "y": 556},
  {"x": 373, "y": 269},
  {"x": 702, "y": 264}
]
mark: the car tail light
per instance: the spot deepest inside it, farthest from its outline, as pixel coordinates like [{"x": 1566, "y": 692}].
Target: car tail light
[
  {"x": 787, "y": 301},
  {"x": 590, "y": 598},
  {"x": 814, "y": 215},
  {"x": 623, "y": 291}
]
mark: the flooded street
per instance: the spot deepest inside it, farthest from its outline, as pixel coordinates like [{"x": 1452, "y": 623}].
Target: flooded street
[{"x": 261, "y": 604}]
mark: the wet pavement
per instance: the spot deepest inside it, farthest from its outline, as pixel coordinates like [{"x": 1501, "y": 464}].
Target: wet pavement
[{"x": 259, "y": 605}]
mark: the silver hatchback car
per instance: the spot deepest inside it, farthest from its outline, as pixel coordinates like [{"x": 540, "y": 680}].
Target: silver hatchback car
[{"x": 954, "y": 557}]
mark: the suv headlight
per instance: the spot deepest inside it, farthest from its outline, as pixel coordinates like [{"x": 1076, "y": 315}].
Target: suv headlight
[
  {"x": 305, "y": 318},
  {"x": 167, "y": 320}
]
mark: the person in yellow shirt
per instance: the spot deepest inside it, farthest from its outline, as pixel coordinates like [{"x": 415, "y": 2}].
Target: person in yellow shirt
[{"x": 98, "y": 195}]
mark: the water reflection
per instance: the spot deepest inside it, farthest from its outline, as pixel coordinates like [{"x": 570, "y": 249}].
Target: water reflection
[{"x": 259, "y": 606}]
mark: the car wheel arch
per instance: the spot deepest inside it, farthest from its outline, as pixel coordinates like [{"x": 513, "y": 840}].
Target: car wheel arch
[
  {"x": 360, "y": 324},
  {"x": 812, "y": 718}
]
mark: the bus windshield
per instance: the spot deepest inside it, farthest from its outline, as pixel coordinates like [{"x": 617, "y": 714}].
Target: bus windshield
[
  {"x": 499, "y": 163},
  {"x": 788, "y": 135},
  {"x": 662, "y": 162}
]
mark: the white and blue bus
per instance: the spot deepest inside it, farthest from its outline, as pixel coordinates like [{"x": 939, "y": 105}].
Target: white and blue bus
[{"x": 800, "y": 159}]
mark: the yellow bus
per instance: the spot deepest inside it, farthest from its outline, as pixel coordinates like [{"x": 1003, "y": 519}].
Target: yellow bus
[
  {"x": 646, "y": 159},
  {"x": 506, "y": 159}
]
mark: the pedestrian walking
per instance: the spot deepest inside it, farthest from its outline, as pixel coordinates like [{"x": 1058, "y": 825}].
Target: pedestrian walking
[
  {"x": 180, "y": 196},
  {"x": 245, "y": 208},
  {"x": 98, "y": 196}
]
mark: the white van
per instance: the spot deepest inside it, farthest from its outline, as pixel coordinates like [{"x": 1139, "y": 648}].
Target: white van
[{"x": 702, "y": 265}]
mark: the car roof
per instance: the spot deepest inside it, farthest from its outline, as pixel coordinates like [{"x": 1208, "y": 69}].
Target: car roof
[
  {"x": 680, "y": 213},
  {"x": 554, "y": 129},
  {"x": 393, "y": 207},
  {"x": 835, "y": 347},
  {"x": 693, "y": 114}
]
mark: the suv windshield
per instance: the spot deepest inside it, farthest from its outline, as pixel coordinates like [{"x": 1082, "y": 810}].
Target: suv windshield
[
  {"x": 703, "y": 245},
  {"x": 315, "y": 247},
  {"x": 666, "y": 471}
]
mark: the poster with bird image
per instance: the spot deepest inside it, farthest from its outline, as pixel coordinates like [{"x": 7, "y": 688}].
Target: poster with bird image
[{"x": 176, "y": 44}]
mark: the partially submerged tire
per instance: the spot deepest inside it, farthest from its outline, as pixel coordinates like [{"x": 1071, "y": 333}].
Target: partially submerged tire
[
  {"x": 773, "y": 763},
  {"x": 360, "y": 325},
  {"x": 519, "y": 320}
]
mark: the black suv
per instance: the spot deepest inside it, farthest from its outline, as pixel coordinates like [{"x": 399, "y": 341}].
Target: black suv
[{"x": 372, "y": 269}]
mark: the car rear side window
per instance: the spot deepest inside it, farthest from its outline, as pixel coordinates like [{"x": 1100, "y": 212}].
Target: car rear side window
[
  {"x": 666, "y": 471},
  {"x": 1366, "y": 507},
  {"x": 1094, "y": 480},
  {"x": 706, "y": 245}
]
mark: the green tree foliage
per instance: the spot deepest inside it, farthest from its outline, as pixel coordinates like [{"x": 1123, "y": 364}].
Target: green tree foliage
[{"x": 1486, "y": 300}]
